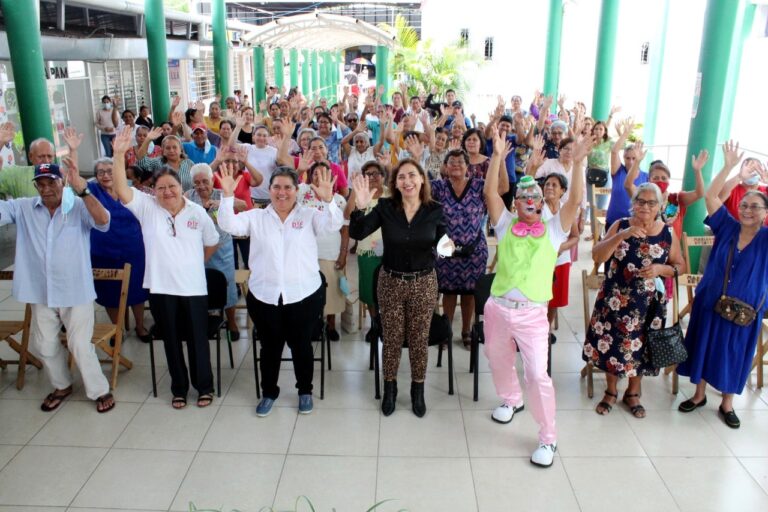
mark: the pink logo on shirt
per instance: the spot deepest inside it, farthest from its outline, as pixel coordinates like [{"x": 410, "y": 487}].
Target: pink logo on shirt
[
  {"x": 192, "y": 223},
  {"x": 297, "y": 224}
]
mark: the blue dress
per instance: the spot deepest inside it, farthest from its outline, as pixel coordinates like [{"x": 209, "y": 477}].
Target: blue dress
[
  {"x": 122, "y": 244},
  {"x": 719, "y": 351},
  {"x": 464, "y": 217},
  {"x": 618, "y": 206}
]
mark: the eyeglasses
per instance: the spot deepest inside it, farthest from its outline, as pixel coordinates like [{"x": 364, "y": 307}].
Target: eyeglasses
[
  {"x": 104, "y": 172},
  {"x": 649, "y": 203},
  {"x": 372, "y": 174},
  {"x": 171, "y": 226},
  {"x": 525, "y": 197},
  {"x": 751, "y": 207}
]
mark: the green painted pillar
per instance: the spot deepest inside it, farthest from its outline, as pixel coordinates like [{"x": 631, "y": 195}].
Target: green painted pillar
[
  {"x": 323, "y": 75},
  {"x": 382, "y": 71},
  {"x": 259, "y": 75},
  {"x": 656, "y": 59},
  {"x": 331, "y": 77},
  {"x": 279, "y": 69},
  {"x": 315, "y": 74},
  {"x": 552, "y": 59},
  {"x": 157, "y": 56},
  {"x": 306, "y": 69},
  {"x": 606, "y": 51},
  {"x": 719, "y": 58},
  {"x": 220, "y": 48},
  {"x": 22, "y": 25},
  {"x": 294, "y": 60}
]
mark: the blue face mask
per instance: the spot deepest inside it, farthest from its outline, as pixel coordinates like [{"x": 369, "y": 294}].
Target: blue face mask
[
  {"x": 151, "y": 148},
  {"x": 344, "y": 285},
  {"x": 67, "y": 200},
  {"x": 752, "y": 180}
]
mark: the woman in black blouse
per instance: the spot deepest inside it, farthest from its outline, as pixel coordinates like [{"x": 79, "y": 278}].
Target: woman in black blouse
[{"x": 411, "y": 224}]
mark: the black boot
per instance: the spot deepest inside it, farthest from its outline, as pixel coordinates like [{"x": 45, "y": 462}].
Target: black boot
[
  {"x": 417, "y": 399},
  {"x": 390, "y": 397}
]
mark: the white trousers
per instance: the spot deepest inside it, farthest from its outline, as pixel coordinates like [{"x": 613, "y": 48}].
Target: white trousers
[{"x": 46, "y": 325}]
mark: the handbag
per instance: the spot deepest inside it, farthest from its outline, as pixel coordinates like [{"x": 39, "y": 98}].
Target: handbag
[
  {"x": 733, "y": 309},
  {"x": 597, "y": 177},
  {"x": 666, "y": 345}
]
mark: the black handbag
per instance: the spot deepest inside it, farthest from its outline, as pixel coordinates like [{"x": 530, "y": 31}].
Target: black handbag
[
  {"x": 597, "y": 177},
  {"x": 731, "y": 308},
  {"x": 665, "y": 345}
]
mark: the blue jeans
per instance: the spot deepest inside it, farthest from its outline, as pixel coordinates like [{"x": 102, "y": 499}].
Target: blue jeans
[{"x": 106, "y": 141}]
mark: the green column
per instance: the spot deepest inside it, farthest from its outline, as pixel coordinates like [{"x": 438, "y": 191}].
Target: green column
[
  {"x": 22, "y": 25},
  {"x": 279, "y": 69},
  {"x": 259, "y": 75},
  {"x": 331, "y": 57},
  {"x": 606, "y": 51},
  {"x": 552, "y": 59},
  {"x": 306, "y": 69},
  {"x": 315, "y": 74},
  {"x": 157, "y": 57},
  {"x": 656, "y": 59},
  {"x": 220, "y": 48},
  {"x": 719, "y": 58},
  {"x": 382, "y": 71},
  {"x": 323, "y": 75},
  {"x": 294, "y": 59}
]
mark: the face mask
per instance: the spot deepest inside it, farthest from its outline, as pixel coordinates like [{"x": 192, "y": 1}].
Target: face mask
[
  {"x": 663, "y": 185},
  {"x": 106, "y": 106},
  {"x": 752, "y": 180},
  {"x": 67, "y": 200},
  {"x": 207, "y": 145},
  {"x": 344, "y": 285},
  {"x": 151, "y": 148}
]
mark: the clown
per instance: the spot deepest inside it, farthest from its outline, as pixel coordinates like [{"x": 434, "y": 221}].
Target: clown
[{"x": 516, "y": 312}]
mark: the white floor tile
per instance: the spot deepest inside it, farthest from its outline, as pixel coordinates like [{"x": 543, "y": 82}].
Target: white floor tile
[
  {"x": 676, "y": 434},
  {"x": 750, "y": 440},
  {"x": 7, "y": 452},
  {"x": 440, "y": 433},
  {"x": 78, "y": 424},
  {"x": 161, "y": 427},
  {"x": 758, "y": 468},
  {"x": 587, "y": 434},
  {"x": 336, "y": 432},
  {"x": 238, "y": 429},
  {"x": 487, "y": 438},
  {"x": 20, "y": 420}
]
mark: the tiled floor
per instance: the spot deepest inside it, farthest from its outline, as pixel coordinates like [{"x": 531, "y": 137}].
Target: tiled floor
[{"x": 146, "y": 456}]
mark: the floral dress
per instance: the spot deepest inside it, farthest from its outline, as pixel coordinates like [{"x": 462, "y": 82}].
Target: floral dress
[{"x": 615, "y": 340}]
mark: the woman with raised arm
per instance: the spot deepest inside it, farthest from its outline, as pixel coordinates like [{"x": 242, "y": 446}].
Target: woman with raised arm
[
  {"x": 179, "y": 238},
  {"x": 411, "y": 224},
  {"x": 720, "y": 350},
  {"x": 285, "y": 296},
  {"x": 619, "y": 203},
  {"x": 516, "y": 312}
]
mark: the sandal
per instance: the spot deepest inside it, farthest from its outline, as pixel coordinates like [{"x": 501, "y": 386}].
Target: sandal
[
  {"x": 205, "y": 400},
  {"x": 179, "y": 402},
  {"x": 105, "y": 403},
  {"x": 604, "y": 407},
  {"x": 638, "y": 411},
  {"x": 466, "y": 339},
  {"x": 53, "y": 400}
]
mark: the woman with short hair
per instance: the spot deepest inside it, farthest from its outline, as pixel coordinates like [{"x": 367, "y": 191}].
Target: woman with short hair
[{"x": 172, "y": 157}]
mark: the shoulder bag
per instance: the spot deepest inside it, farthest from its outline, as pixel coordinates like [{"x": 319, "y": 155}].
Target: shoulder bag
[{"x": 731, "y": 308}]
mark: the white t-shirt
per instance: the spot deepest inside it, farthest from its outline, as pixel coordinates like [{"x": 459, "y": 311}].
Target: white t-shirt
[
  {"x": 328, "y": 244},
  {"x": 174, "y": 246},
  {"x": 551, "y": 165},
  {"x": 264, "y": 160},
  {"x": 554, "y": 231},
  {"x": 565, "y": 256},
  {"x": 357, "y": 159}
]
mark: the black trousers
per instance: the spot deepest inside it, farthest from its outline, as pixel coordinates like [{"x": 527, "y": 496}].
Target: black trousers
[
  {"x": 286, "y": 323},
  {"x": 244, "y": 244},
  {"x": 184, "y": 318}
]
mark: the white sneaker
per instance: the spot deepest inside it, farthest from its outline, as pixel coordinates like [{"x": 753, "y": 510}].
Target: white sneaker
[
  {"x": 544, "y": 455},
  {"x": 504, "y": 413}
]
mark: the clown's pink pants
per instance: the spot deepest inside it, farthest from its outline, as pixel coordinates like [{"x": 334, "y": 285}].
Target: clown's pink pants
[{"x": 505, "y": 329}]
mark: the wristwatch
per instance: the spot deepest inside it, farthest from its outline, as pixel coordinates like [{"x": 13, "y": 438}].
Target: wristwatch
[{"x": 86, "y": 192}]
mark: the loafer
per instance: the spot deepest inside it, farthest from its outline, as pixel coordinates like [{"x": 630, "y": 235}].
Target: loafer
[
  {"x": 729, "y": 417},
  {"x": 333, "y": 335},
  {"x": 264, "y": 407},
  {"x": 305, "y": 404},
  {"x": 690, "y": 405},
  {"x": 504, "y": 413},
  {"x": 544, "y": 455}
]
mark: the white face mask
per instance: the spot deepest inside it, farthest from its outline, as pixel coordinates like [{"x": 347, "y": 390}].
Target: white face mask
[
  {"x": 106, "y": 106},
  {"x": 67, "y": 200}
]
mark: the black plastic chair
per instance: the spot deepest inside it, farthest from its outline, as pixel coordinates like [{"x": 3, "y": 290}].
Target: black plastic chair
[
  {"x": 482, "y": 292},
  {"x": 434, "y": 339},
  {"x": 320, "y": 335},
  {"x": 217, "y": 320}
]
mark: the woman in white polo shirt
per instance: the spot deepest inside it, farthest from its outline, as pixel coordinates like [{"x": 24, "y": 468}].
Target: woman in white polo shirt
[
  {"x": 285, "y": 289},
  {"x": 179, "y": 237}
]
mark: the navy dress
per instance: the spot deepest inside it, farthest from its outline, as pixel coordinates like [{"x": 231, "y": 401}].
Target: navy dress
[
  {"x": 719, "y": 351},
  {"x": 122, "y": 244}
]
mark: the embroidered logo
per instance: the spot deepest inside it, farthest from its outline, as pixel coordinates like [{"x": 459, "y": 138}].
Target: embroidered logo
[
  {"x": 192, "y": 223},
  {"x": 297, "y": 224}
]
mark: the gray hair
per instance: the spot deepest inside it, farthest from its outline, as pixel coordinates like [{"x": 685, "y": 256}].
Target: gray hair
[
  {"x": 310, "y": 131},
  {"x": 103, "y": 160},
  {"x": 201, "y": 169},
  {"x": 361, "y": 135},
  {"x": 649, "y": 187}
]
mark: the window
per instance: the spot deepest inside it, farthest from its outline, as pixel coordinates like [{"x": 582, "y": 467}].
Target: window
[
  {"x": 464, "y": 37},
  {"x": 644, "y": 53},
  {"x": 488, "y": 53}
]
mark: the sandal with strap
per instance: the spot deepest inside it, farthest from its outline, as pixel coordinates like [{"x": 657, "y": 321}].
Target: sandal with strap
[
  {"x": 604, "y": 406},
  {"x": 205, "y": 400},
  {"x": 466, "y": 339},
  {"x": 54, "y": 400},
  {"x": 638, "y": 411},
  {"x": 178, "y": 402},
  {"x": 105, "y": 403}
]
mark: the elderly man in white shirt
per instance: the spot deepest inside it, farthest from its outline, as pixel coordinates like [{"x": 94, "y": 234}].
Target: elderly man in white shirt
[{"x": 286, "y": 293}]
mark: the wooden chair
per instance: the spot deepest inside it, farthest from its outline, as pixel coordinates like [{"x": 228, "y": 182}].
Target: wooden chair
[
  {"x": 589, "y": 281},
  {"x": 11, "y": 328},
  {"x": 759, "y": 361},
  {"x": 597, "y": 215},
  {"x": 692, "y": 278}
]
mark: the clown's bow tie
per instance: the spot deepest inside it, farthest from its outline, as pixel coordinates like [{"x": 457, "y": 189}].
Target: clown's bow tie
[{"x": 522, "y": 229}]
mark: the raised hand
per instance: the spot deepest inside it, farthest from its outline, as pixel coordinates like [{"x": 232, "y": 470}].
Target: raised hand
[
  {"x": 624, "y": 127},
  {"x": 199, "y": 105},
  {"x": 414, "y": 146},
  {"x": 227, "y": 179},
  {"x": 324, "y": 188},
  {"x": 72, "y": 138},
  {"x": 585, "y": 144},
  {"x": 155, "y": 133},
  {"x": 363, "y": 193},
  {"x": 614, "y": 109},
  {"x": 177, "y": 118},
  {"x": 698, "y": 162},
  {"x": 384, "y": 158},
  {"x": 454, "y": 144},
  {"x": 239, "y": 120},
  {"x": 538, "y": 142},
  {"x": 731, "y": 154},
  {"x": 547, "y": 102},
  {"x": 499, "y": 143},
  {"x": 122, "y": 141},
  {"x": 7, "y": 133},
  {"x": 175, "y": 101},
  {"x": 73, "y": 178},
  {"x": 641, "y": 151},
  {"x": 262, "y": 106},
  {"x": 304, "y": 162}
]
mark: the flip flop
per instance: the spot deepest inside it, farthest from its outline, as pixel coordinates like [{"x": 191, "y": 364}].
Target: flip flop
[
  {"x": 103, "y": 405},
  {"x": 54, "y": 400}
]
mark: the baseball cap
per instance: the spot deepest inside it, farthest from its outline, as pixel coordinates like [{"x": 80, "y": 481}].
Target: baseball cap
[
  {"x": 456, "y": 103},
  {"x": 199, "y": 126},
  {"x": 47, "y": 171}
]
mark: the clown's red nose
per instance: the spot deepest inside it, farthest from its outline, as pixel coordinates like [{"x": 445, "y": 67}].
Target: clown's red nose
[{"x": 530, "y": 201}]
